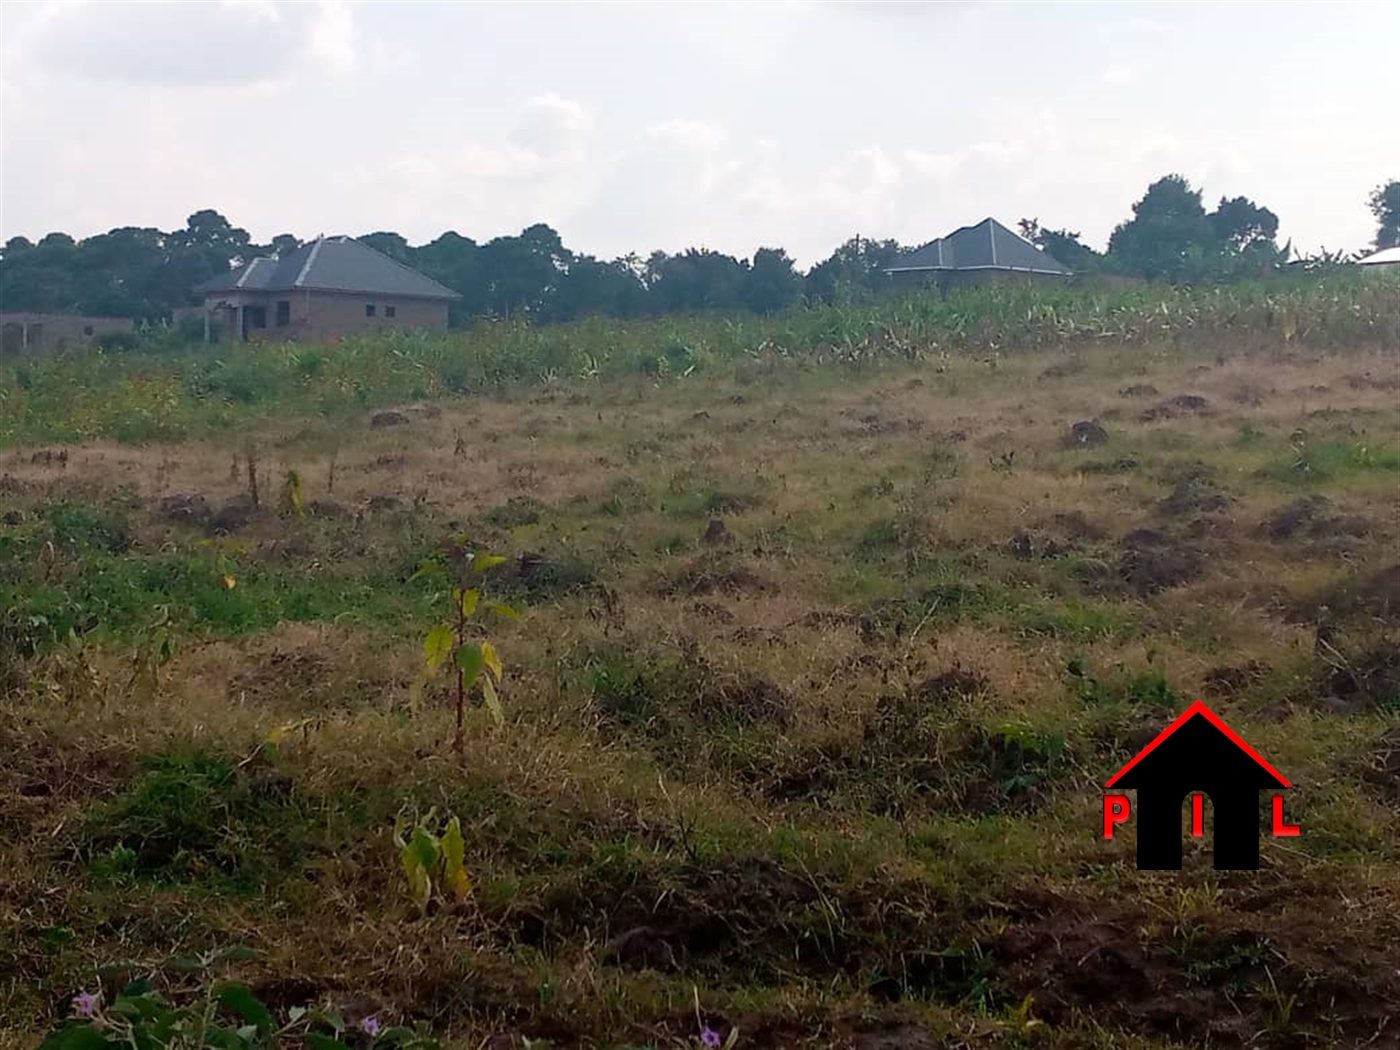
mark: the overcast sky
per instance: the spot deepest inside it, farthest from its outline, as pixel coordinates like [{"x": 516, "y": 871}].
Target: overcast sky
[{"x": 640, "y": 126}]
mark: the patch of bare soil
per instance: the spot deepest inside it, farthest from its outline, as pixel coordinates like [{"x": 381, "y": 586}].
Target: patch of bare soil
[
  {"x": 1194, "y": 491},
  {"x": 1087, "y": 433},
  {"x": 1152, "y": 561},
  {"x": 1209, "y": 984},
  {"x": 1176, "y": 407},
  {"x": 713, "y": 573},
  {"x": 1312, "y": 517},
  {"x": 1138, "y": 390},
  {"x": 192, "y": 509}
]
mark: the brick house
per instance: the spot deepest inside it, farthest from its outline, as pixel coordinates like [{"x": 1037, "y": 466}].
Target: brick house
[
  {"x": 981, "y": 254},
  {"x": 326, "y": 289},
  {"x": 32, "y": 333}
]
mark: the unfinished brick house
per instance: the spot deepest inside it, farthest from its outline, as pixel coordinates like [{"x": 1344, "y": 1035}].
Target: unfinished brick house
[
  {"x": 33, "y": 333},
  {"x": 324, "y": 290}
]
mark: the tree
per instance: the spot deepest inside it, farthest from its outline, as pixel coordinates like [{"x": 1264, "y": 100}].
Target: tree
[
  {"x": 1240, "y": 225},
  {"x": 1063, "y": 246},
  {"x": 856, "y": 266},
  {"x": 1385, "y": 206},
  {"x": 697, "y": 279},
  {"x": 773, "y": 282},
  {"x": 391, "y": 244},
  {"x": 1168, "y": 236}
]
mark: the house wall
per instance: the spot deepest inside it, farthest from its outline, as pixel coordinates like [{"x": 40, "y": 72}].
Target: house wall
[
  {"x": 325, "y": 316},
  {"x": 34, "y": 333}
]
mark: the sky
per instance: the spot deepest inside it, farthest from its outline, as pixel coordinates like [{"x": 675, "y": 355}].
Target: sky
[{"x": 637, "y": 127}]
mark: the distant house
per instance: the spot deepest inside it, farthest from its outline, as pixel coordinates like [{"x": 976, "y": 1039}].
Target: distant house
[
  {"x": 32, "y": 333},
  {"x": 976, "y": 255},
  {"x": 328, "y": 288},
  {"x": 1387, "y": 260}
]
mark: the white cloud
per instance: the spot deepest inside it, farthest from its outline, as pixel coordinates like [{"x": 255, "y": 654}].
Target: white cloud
[{"x": 224, "y": 44}]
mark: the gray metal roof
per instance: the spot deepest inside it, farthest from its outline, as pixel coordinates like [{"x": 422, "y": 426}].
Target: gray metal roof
[
  {"x": 987, "y": 246},
  {"x": 330, "y": 264}
]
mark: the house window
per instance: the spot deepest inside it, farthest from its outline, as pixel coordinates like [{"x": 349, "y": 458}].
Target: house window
[
  {"x": 256, "y": 316},
  {"x": 391, "y": 311},
  {"x": 369, "y": 309},
  {"x": 284, "y": 312}
]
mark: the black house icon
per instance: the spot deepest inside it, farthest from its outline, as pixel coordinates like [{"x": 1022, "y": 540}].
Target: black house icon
[{"x": 1198, "y": 752}]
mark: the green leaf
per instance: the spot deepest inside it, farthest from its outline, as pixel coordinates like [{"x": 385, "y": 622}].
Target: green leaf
[
  {"x": 425, "y": 848},
  {"x": 492, "y": 661},
  {"x": 469, "y": 662},
  {"x": 469, "y": 598},
  {"x": 430, "y": 569},
  {"x": 437, "y": 646},
  {"x": 324, "y": 1042},
  {"x": 454, "y": 849},
  {"x": 482, "y": 562},
  {"x": 76, "y": 1036},
  {"x": 502, "y": 609},
  {"x": 240, "y": 999},
  {"x": 493, "y": 702}
]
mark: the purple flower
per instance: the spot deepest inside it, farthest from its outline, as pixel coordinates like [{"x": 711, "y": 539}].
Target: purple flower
[
  {"x": 710, "y": 1037},
  {"x": 84, "y": 1004},
  {"x": 370, "y": 1026}
]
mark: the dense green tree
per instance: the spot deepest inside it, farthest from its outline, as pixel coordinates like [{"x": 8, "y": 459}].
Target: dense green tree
[
  {"x": 391, "y": 244},
  {"x": 773, "y": 281},
  {"x": 1169, "y": 235},
  {"x": 857, "y": 267},
  {"x": 696, "y": 279},
  {"x": 1240, "y": 225},
  {"x": 1385, "y": 206}
]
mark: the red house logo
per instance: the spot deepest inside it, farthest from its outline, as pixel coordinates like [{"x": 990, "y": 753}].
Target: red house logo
[{"x": 1196, "y": 755}]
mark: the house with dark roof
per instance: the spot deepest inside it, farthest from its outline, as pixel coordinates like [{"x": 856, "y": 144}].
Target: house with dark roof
[
  {"x": 326, "y": 289},
  {"x": 976, "y": 255},
  {"x": 1198, "y": 752}
]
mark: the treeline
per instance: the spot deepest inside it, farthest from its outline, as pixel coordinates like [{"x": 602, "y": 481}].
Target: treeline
[{"x": 144, "y": 273}]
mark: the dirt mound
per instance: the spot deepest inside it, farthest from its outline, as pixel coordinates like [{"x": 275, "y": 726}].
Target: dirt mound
[
  {"x": 1380, "y": 593},
  {"x": 188, "y": 509},
  {"x": 1174, "y": 408},
  {"x": 1121, "y": 465},
  {"x": 1367, "y": 681},
  {"x": 236, "y": 514},
  {"x": 1295, "y": 516},
  {"x": 1194, "y": 491},
  {"x": 1151, "y": 561},
  {"x": 717, "y": 534},
  {"x": 712, "y": 574},
  {"x": 380, "y": 420},
  {"x": 1086, "y": 434},
  {"x": 1138, "y": 390}
]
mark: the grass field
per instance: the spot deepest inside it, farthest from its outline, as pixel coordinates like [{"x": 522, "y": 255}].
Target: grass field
[{"x": 822, "y": 661}]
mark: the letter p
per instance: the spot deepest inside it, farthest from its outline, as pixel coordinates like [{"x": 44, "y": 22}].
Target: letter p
[{"x": 1115, "y": 811}]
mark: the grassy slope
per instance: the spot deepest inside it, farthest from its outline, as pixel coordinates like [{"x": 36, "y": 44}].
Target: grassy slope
[{"x": 838, "y": 777}]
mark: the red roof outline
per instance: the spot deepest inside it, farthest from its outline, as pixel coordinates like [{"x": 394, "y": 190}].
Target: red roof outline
[{"x": 1191, "y": 712}]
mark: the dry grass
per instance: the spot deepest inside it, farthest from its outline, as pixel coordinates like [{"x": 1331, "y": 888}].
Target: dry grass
[{"x": 831, "y": 774}]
